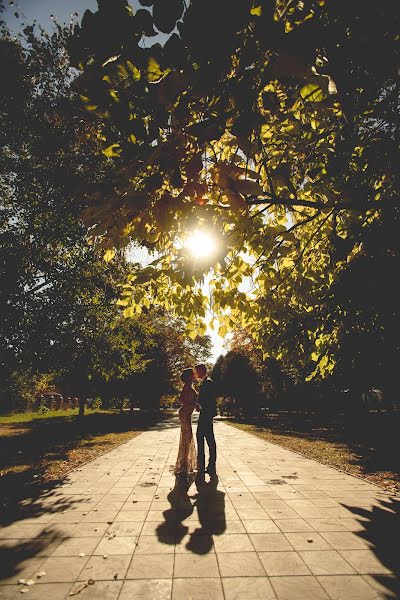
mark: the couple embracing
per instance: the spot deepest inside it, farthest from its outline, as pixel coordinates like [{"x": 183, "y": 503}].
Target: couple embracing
[{"x": 205, "y": 401}]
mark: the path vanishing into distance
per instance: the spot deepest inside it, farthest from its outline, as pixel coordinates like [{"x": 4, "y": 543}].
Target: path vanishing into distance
[{"x": 274, "y": 525}]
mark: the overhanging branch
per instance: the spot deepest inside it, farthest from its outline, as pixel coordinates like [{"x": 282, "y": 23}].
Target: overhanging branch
[{"x": 277, "y": 201}]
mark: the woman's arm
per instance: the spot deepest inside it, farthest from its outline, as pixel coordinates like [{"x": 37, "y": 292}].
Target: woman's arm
[
  {"x": 195, "y": 400},
  {"x": 181, "y": 397}
]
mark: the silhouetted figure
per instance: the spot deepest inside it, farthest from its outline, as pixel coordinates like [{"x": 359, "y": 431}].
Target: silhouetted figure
[
  {"x": 172, "y": 531},
  {"x": 186, "y": 460},
  {"x": 207, "y": 401},
  {"x": 210, "y": 504}
]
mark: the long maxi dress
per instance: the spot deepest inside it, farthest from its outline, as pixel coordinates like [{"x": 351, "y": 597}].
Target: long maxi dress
[{"x": 186, "y": 462}]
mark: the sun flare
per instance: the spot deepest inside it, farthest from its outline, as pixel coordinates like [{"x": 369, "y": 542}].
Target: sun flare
[{"x": 200, "y": 244}]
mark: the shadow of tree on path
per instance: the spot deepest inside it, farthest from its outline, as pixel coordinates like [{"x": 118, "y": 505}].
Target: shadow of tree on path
[
  {"x": 29, "y": 449},
  {"x": 381, "y": 529},
  {"x": 15, "y": 554},
  {"x": 26, "y": 495}
]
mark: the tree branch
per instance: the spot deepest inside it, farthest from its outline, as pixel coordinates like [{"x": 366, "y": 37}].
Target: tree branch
[{"x": 276, "y": 200}]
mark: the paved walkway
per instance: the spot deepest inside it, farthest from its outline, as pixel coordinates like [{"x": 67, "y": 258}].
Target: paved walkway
[{"x": 276, "y": 526}]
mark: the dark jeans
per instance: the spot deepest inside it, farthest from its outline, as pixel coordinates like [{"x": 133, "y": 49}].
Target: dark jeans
[{"x": 205, "y": 430}]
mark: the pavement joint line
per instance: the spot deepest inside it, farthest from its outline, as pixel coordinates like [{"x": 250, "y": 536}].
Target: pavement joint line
[{"x": 245, "y": 466}]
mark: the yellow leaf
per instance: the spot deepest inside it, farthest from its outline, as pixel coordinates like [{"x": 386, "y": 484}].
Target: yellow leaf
[
  {"x": 128, "y": 312},
  {"x": 266, "y": 132},
  {"x": 192, "y": 334},
  {"x": 293, "y": 128},
  {"x": 114, "y": 95},
  {"x": 222, "y": 331},
  {"x": 123, "y": 302},
  {"x": 154, "y": 71},
  {"x": 122, "y": 72},
  {"x": 318, "y": 88},
  {"x": 134, "y": 70},
  {"x": 312, "y": 92},
  {"x": 287, "y": 263},
  {"x": 113, "y": 150},
  {"x": 109, "y": 254},
  {"x": 256, "y": 11}
]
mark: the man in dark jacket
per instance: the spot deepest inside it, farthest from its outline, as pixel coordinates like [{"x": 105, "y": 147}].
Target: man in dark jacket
[{"x": 205, "y": 428}]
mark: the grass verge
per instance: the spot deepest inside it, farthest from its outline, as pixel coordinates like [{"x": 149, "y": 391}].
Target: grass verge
[
  {"x": 43, "y": 449},
  {"x": 51, "y": 414}
]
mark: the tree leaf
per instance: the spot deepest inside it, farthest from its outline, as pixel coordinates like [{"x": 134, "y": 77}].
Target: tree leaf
[
  {"x": 246, "y": 187},
  {"x": 256, "y": 11},
  {"x": 112, "y": 151},
  {"x": 135, "y": 72},
  {"x": 109, "y": 254},
  {"x": 129, "y": 312},
  {"x": 166, "y": 13},
  {"x": 154, "y": 71},
  {"x": 313, "y": 92}
]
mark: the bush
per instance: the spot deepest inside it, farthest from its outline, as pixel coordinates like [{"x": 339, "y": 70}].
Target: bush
[{"x": 96, "y": 404}]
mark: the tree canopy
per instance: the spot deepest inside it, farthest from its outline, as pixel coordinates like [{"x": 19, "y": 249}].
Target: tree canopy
[{"x": 274, "y": 127}]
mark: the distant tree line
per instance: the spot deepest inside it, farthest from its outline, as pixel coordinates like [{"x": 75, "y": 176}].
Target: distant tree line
[
  {"x": 60, "y": 321},
  {"x": 250, "y": 385}
]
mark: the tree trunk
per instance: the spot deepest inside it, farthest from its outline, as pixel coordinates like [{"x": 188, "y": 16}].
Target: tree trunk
[{"x": 81, "y": 407}]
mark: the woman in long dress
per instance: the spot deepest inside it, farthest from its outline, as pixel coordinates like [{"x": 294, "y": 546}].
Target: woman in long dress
[{"x": 186, "y": 462}]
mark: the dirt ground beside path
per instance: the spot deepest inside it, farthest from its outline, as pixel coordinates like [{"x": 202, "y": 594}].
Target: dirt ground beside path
[{"x": 369, "y": 447}]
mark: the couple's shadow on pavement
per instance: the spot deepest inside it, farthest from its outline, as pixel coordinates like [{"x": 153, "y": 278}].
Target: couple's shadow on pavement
[{"x": 210, "y": 505}]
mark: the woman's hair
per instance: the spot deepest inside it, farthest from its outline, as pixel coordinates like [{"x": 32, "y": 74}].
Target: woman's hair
[{"x": 187, "y": 375}]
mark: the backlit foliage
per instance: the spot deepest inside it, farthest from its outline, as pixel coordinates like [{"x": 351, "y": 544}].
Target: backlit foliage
[{"x": 273, "y": 124}]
